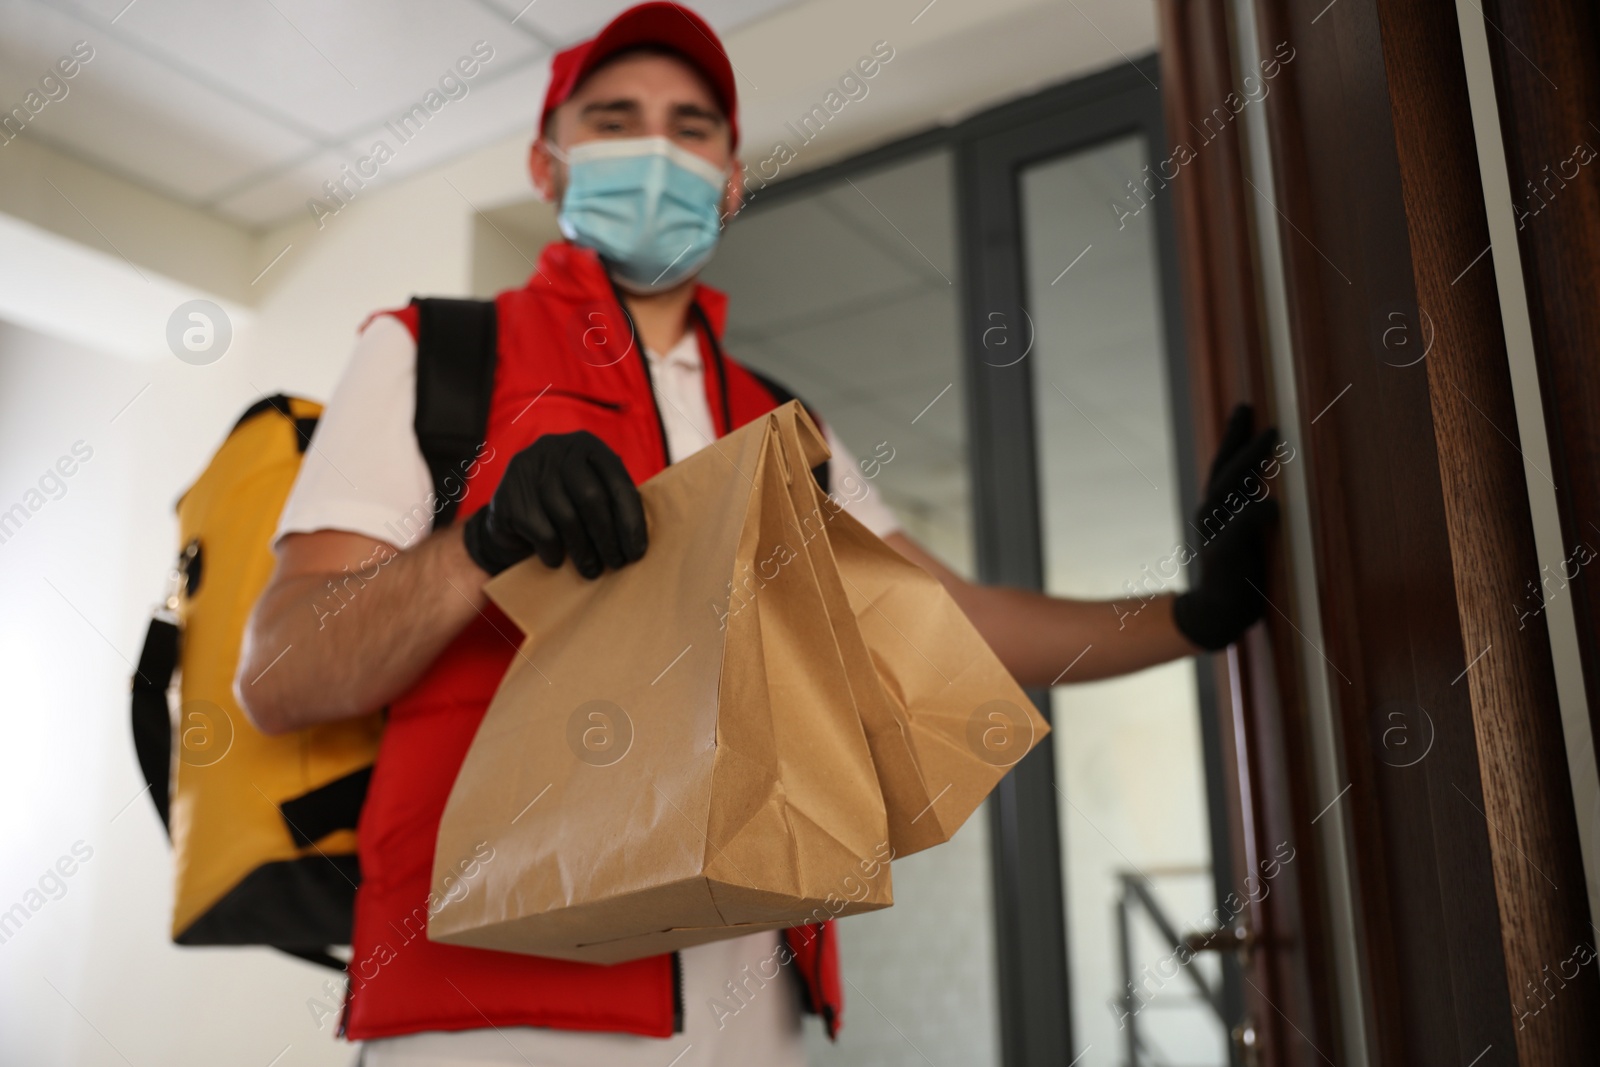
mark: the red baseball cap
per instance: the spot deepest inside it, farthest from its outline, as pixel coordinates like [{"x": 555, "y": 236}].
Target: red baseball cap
[{"x": 668, "y": 25}]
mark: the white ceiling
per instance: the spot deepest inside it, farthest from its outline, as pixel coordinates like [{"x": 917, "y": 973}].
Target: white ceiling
[{"x": 246, "y": 108}]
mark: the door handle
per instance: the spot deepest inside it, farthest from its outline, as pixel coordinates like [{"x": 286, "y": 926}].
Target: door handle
[
  {"x": 1238, "y": 938},
  {"x": 1247, "y": 1043}
]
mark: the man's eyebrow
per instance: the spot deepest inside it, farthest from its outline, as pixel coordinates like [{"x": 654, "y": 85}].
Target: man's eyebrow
[
  {"x": 695, "y": 111},
  {"x": 623, "y": 106}
]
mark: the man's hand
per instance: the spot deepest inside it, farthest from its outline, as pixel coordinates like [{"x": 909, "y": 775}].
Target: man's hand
[
  {"x": 564, "y": 495},
  {"x": 1234, "y": 514}
]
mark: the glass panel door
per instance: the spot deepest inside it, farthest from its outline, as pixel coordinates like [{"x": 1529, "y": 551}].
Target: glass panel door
[{"x": 1131, "y": 784}]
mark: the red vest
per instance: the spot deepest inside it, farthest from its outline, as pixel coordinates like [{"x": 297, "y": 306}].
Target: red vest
[{"x": 565, "y": 343}]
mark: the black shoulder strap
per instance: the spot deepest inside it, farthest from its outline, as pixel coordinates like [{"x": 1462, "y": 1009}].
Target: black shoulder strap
[
  {"x": 456, "y": 347},
  {"x": 152, "y": 720},
  {"x": 304, "y": 426},
  {"x": 822, "y": 472}
]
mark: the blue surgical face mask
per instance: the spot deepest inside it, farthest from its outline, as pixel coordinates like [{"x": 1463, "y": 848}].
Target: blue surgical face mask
[{"x": 650, "y": 208}]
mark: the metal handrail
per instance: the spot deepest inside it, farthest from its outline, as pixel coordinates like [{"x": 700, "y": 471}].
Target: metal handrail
[{"x": 1136, "y": 894}]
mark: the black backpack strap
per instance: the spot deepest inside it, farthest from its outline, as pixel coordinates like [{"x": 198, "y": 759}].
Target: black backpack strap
[
  {"x": 304, "y": 426},
  {"x": 311, "y": 955},
  {"x": 822, "y": 472},
  {"x": 456, "y": 348},
  {"x": 337, "y": 805},
  {"x": 152, "y": 719}
]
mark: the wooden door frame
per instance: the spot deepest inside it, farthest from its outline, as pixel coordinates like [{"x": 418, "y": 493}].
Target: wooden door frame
[
  {"x": 1546, "y": 60},
  {"x": 1468, "y": 880}
]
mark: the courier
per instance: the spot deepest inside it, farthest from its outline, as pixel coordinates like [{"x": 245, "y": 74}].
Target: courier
[{"x": 658, "y": 701}]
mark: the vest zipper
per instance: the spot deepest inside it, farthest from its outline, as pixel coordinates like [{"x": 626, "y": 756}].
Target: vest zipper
[
  {"x": 644, "y": 364},
  {"x": 830, "y": 1018},
  {"x": 650, "y": 383},
  {"x": 722, "y": 365},
  {"x": 677, "y": 993}
]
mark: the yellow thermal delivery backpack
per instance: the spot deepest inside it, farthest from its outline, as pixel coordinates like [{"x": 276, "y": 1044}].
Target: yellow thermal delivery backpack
[{"x": 262, "y": 828}]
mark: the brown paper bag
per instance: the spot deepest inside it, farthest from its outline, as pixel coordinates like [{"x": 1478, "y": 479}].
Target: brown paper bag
[
  {"x": 945, "y": 720},
  {"x": 675, "y": 756}
]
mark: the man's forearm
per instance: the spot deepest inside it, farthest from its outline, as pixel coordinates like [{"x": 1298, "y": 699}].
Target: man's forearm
[
  {"x": 1046, "y": 640},
  {"x": 1039, "y": 637},
  {"x": 325, "y": 646}
]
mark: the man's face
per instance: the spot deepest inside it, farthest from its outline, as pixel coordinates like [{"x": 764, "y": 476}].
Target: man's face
[{"x": 638, "y": 96}]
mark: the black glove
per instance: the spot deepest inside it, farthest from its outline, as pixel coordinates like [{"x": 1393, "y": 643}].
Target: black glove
[
  {"x": 565, "y": 494},
  {"x": 1230, "y": 594}
]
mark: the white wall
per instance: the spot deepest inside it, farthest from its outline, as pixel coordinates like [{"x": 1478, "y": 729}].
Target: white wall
[{"x": 91, "y": 978}]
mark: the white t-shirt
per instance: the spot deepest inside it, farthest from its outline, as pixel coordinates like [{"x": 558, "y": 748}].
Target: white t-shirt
[{"x": 364, "y": 473}]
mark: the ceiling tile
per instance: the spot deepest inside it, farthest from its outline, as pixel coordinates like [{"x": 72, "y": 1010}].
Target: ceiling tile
[
  {"x": 895, "y": 356},
  {"x": 491, "y": 111},
  {"x": 568, "y": 21},
  {"x": 327, "y": 68},
  {"x": 560, "y": 21},
  {"x": 134, "y": 116},
  {"x": 280, "y": 195},
  {"x": 800, "y": 264},
  {"x": 910, "y": 208},
  {"x": 846, "y": 263}
]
